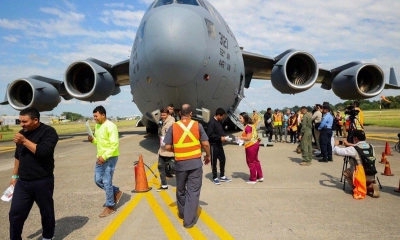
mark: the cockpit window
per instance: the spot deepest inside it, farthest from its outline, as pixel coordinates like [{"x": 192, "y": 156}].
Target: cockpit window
[
  {"x": 190, "y": 2},
  {"x": 163, "y": 2}
]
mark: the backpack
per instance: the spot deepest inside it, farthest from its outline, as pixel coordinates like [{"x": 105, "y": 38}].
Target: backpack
[{"x": 367, "y": 159}]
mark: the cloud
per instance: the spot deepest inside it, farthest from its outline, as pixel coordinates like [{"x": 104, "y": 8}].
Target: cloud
[
  {"x": 124, "y": 18},
  {"x": 12, "y": 39}
]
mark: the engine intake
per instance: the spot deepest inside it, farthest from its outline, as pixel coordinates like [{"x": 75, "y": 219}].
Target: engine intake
[
  {"x": 89, "y": 80},
  {"x": 361, "y": 81},
  {"x": 30, "y": 92},
  {"x": 294, "y": 72}
]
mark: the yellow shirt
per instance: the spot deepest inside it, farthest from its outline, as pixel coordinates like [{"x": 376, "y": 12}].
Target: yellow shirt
[{"x": 106, "y": 139}]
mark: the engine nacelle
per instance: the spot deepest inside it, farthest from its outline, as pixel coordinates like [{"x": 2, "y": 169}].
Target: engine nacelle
[
  {"x": 89, "y": 81},
  {"x": 30, "y": 92},
  {"x": 295, "y": 71},
  {"x": 361, "y": 81}
]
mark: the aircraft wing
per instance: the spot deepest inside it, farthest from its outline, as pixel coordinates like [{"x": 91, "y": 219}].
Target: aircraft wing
[
  {"x": 88, "y": 80},
  {"x": 296, "y": 71}
]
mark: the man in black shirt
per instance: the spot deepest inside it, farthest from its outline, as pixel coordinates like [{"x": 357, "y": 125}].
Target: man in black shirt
[
  {"x": 33, "y": 174},
  {"x": 268, "y": 124},
  {"x": 216, "y": 136}
]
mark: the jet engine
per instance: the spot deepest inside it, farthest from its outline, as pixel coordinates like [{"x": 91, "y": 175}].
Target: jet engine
[
  {"x": 89, "y": 80},
  {"x": 294, "y": 72},
  {"x": 358, "y": 81},
  {"x": 34, "y": 91}
]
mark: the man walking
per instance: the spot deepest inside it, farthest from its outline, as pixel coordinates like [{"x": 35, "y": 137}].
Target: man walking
[
  {"x": 165, "y": 158},
  {"x": 326, "y": 135},
  {"x": 216, "y": 136},
  {"x": 107, "y": 142},
  {"x": 185, "y": 138},
  {"x": 306, "y": 137},
  {"x": 33, "y": 174}
]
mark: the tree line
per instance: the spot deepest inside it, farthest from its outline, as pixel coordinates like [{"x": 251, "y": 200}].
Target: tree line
[{"x": 394, "y": 102}]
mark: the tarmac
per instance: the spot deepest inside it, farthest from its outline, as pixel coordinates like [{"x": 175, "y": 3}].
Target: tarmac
[{"x": 293, "y": 202}]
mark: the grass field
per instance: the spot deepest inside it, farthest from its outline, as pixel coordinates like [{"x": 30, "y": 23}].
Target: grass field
[
  {"x": 384, "y": 118},
  {"x": 66, "y": 128}
]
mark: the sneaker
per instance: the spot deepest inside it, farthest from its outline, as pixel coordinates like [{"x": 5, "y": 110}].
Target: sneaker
[
  {"x": 251, "y": 182},
  {"x": 162, "y": 188},
  {"x": 260, "y": 180},
  {"x": 107, "y": 211},
  {"x": 292, "y": 142},
  {"x": 225, "y": 179},
  {"x": 216, "y": 181},
  {"x": 317, "y": 152}
]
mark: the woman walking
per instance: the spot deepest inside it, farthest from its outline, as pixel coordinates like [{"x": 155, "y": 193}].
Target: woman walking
[{"x": 252, "y": 145}]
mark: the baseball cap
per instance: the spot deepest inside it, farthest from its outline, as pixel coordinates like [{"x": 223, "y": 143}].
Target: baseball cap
[{"x": 292, "y": 112}]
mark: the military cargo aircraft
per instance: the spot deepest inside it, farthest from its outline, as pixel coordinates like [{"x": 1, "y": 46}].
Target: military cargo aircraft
[{"x": 185, "y": 52}]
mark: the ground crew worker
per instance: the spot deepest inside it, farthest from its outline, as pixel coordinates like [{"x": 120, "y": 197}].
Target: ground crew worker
[
  {"x": 255, "y": 118},
  {"x": 344, "y": 130},
  {"x": 277, "y": 118},
  {"x": 185, "y": 139},
  {"x": 305, "y": 137},
  {"x": 360, "y": 116}
]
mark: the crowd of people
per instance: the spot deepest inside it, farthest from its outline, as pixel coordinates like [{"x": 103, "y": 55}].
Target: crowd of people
[{"x": 180, "y": 154}]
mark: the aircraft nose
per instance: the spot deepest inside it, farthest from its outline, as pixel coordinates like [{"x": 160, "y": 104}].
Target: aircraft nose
[{"x": 175, "y": 45}]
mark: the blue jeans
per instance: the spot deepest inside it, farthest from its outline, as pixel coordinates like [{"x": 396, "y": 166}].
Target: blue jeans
[{"x": 103, "y": 175}]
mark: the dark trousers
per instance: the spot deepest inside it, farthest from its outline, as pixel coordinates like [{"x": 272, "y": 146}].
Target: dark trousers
[
  {"x": 188, "y": 187},
  {"x": 25, "y": 193},
  {"x": 325, "y": 143},
  {"x": 338, "y": 130},
  {"x": 268, "y": 132},
  {"x": 293, "y": 136},
  {"x": 163, "y": 163},
  {"x": 217, "y": 152}
]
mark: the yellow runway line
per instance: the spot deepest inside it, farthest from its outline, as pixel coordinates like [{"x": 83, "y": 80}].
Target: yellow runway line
[
  {"x": 382, "y": 139},
  {"x": 194, "y": 231},
  {"x": 109, "y": 231},
  {"x": 169, "y": 229},
  {"x": 213, "y": 225}
]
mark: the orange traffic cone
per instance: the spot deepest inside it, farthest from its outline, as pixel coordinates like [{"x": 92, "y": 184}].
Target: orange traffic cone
[
  {"x": 387, "y": 150},
  {"x": 387, "y": 171},
  {"x": 383, "y": 158},
  {"x": 398, "y": 190},
  {"x": 141, "y": 184}
]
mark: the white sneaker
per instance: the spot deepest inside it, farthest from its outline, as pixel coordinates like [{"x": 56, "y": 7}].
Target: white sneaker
[
  {"x": 317, "y": 152},
  {"x": 251, "y": 182},
  {"x": 260, "y": 180}
]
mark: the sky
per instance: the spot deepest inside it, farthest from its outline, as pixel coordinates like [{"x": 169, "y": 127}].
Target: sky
[{"x": 43, "y": 37}]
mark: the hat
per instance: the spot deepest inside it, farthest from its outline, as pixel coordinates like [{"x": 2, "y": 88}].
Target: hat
[
  {"x": 276, "y": 109},
  {"x": 338, "y": 111},
  {"x": 326, "y": 107},
  {"x": 292, "y": 112}
]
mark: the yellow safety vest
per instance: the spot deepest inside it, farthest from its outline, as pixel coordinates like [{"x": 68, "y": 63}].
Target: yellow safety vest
[{"x": 277, "y": 119}]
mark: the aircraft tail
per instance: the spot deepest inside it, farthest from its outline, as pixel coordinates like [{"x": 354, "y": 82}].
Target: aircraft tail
[{"x": 392, "y": 81}]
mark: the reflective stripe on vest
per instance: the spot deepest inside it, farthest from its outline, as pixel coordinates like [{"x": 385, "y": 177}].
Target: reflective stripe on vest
[
  {"x": 277, "y": 119},
  {"x": 186, "y": 140}
]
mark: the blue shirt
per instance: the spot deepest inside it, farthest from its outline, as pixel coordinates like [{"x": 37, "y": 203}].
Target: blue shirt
[
  {"x": 285, "y": 120},
  {"x": 326, "y": 121}
]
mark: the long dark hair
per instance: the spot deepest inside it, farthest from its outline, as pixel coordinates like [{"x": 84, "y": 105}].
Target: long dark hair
[{"x": 246, "y": 118}]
